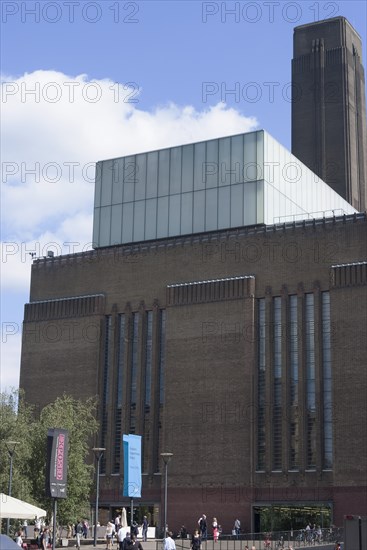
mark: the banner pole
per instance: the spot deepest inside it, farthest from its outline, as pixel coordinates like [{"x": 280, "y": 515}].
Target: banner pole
[
  {"x": 131, "y": 515},
  {"x": 54, "y": 524}
]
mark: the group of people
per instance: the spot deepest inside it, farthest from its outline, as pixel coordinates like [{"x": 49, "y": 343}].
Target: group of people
[
  {"x": 42, "y": 535},
  {"x": 126, "y": 540},
  {"x": 203, "y": 528}
]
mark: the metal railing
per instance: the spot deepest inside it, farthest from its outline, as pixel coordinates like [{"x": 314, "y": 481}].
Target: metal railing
[{"x": 265, "y": 541}]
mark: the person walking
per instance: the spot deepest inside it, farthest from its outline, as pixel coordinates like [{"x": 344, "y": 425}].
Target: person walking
[
  {"x": 134, "y": 544},
  {"x": 25, "y": 526},
  {"x": 196, "y": 541},
  {"x": 109, "y": 534},
  {"x": 215, "y": 530},
  {"x": 169, "y": 543},
  {"x": 79, "y": 533},
  {"x": 145, "y": 528},
  {"x": 237, "y": 527},
  {"x": 121, "y": 536},
  {"x": 203, "y": 527}
]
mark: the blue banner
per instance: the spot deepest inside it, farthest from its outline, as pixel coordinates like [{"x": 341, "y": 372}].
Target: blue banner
[{"x": 132, "y": 466}]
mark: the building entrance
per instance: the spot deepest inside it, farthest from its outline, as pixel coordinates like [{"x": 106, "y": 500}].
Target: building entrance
[
  {"x": 151, "y": 511},
  {"x": 288, "y": 517}
]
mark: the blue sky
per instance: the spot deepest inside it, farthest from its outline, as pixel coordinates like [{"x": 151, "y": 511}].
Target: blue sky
[{"x": 113, "y": 77}]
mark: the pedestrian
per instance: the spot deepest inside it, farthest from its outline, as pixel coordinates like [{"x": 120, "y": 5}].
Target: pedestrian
[
  {"x": 37, "y": 524},
  {"x": 85, "y": 528},
  {"x": 196, "y": 540},
  {"x": 215, "y": 530},
  {"x": 117, "y": 523},
  {"x": 169, "y": 543},
  {"x": 203, "y": 527},
  {"x": 126, "y": 542},
  {"x": 45, "y": 538},
  {"x": 79, "y": 532},
  {"x": 134, "y": 544},
  {"x": 135, "y": 529},
  {"x": 121, "y": 536},
  {"x": 19, "y": 539},
  {"x": 145, "y": 528},
  {"x": 109, "y": 534},
  {"x": 183, "y": 532},
  {"x": 25, "y": 525},
  {"x": 237, "y": 527}
]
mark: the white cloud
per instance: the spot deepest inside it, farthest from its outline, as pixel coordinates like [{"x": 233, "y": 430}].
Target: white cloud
[{"x": 55, "y": 127}]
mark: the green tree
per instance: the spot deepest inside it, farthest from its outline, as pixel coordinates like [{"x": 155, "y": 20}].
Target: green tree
[
  {"x": 16, "y": 424},
  {"x": 78, "y": 417}
]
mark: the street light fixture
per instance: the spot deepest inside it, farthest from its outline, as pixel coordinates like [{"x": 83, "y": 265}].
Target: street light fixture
[
  {"x": 166, "y": 458},
  {"x": 10, "y": 447},
  {"x": 98, "y": 453}
]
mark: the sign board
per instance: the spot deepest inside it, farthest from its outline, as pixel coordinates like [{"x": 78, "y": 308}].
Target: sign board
[
  {"x": 132, "y": 466},
  {"x": 57, "y": 463}
]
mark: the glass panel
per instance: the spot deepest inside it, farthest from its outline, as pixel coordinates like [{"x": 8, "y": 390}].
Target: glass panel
[
  {"x": 163, "y": 172},
  {"x": 134, "y": 371},
  {"x": 199, "y": 166},
  {"x": 141, "y": 174},
  {"x": 148, "y": 390},
  {"x": 119, "y": 392},
  {"x": 261, "y": 387},
  {"x": 139, "y": 219},
  {"x": 162, "y": 222},
  {"x": 127, "y": 222},
  {"x": 116, "y": 224},
  {"x": 249, "y": 205},
  {"x": 148, "y": 358},
  {"x": 250, "y": 157},
  {"x": 187, "y": 168},
  {"x": 152, "y": 175},
  {"x": 175, "y": 171},
  {"x": 294, "y": 424},
  {"x": 151, "y": 219},
  {"x": 162, "y": 355},
  {"x": 117, "y": 181},
  {"x": 237, "y": 167},
  {"x": 162, "y": 361},
  {"x": 174, "y": 215},
  {"x": 106, "y": 190},
  {"x": 260, "y": 154},
  {"x": 310, "y": 383},
  {"x": 236, "y": 205},
  {"x": 107, "y": 363},
  {"x": 129, "y": 179},
  {"x": 97, "y": 187},
  {"x": 186, "y": 213},
  {"x": 260, "y": 192},
  {"x": 105, "y": 226},
  {"x": 225, "y": 161},
  {"x": 211, "y": 209},
  {"x": 327, "y": 380},
  {"x": 277, "y": 384},
  {"x": 199, "y": 211},
  {"x": 96, "y": 227},
  {"x": 211, "y": 164},
  {"x": 224, "y": 207}
]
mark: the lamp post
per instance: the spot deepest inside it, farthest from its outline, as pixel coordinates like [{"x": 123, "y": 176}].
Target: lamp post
[
  {"x": 10, "y": 447},
  {"x": 166, "y": 458},
  {"x": 98, "y": 452}
]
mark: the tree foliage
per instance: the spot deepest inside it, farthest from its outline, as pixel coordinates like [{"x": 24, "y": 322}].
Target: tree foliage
[
  {"x": 16, "y": 424},
  {"x": 76, "y": 416}
]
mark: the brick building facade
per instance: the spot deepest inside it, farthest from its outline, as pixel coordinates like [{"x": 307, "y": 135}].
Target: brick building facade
[{"x": 242, "y": 352}]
